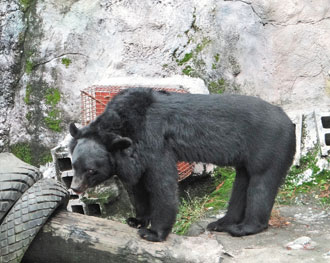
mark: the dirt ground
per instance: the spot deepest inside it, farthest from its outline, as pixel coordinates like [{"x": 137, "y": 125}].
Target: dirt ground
[{"x": 289, "y": 223}]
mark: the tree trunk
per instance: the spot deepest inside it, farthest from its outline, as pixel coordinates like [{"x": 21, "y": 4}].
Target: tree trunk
[{"x": 71, "y": 237}]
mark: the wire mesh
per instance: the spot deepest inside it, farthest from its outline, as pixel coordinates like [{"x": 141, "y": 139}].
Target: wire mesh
[{"x": 95, "y": 98}]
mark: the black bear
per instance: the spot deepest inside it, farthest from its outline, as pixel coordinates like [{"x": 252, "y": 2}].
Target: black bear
[{"x": 143, "y": 133}]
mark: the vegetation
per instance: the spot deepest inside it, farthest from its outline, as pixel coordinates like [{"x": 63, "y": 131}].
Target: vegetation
[
  {"x": 217, "y": 87},
  {"x": 28, "y": 91},
  {"x": 185, "y": 59},
  {"x": 22, "y": 151},
  {"x": 66, "y": 62},
  {"x": 217, "y": 57},
  {"x": 216, "y": 61},
  {"x": 194, "y": 66},
  {"x": 315, "y": 185},
  {"x": 191, "y": 61},
  {"x": 52, "y": 96},
  {"x": 188, "y": 70},
  {"x": 36, "y": 94},
  {"x": 29, "y": 66},
  {"x": 189, "y": 212},
  {"x": 46, "y": 157},
  {"x": 202, "y": 45},
  {"x": 28, "y": 116},
  {"x": 53, "y": 119},
  {"x": 224, "y": 178},
  {"x": 25, "y": 4},
  {"x": 31, "y": 154},
  {"x": 193, "y": 209}
]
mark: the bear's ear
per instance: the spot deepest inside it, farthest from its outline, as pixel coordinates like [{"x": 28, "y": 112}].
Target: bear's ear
[
  {"x": 74, "y": 131},
  {"x": 120, "y": 143}
]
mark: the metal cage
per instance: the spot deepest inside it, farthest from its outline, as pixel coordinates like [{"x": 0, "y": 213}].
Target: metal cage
[{"x": 95, "y": 98}]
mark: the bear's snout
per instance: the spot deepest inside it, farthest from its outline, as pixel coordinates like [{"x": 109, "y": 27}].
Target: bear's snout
[{"x": 78, "y": 185}]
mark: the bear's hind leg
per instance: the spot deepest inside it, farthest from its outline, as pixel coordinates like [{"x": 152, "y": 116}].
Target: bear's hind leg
[
  {"x": 261, "y": 195},
  {"x": 237, "y": 203}
]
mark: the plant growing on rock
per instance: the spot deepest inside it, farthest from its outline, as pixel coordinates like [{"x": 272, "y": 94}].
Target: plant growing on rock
[
  {"x": 52, "y": 120},
  {"x": 297, "y": 184},
  {"x": 66, "y": 62}
]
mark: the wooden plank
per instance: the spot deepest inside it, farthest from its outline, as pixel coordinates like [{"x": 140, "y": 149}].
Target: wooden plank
[{"x": 71, "y": 237}]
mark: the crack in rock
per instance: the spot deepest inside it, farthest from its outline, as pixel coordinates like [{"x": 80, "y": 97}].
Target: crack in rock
[
  {"x": 57, "y": 57},
  {"x": 262, "y": 20}
]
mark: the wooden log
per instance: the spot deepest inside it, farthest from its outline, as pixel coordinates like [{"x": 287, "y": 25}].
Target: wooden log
[{"x": 71, "y": 237}]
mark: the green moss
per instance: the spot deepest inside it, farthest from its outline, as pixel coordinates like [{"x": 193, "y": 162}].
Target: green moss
[
  {"x": 28, "y": 116},
  {"x": 22, "y": 151},
  {"x": 193, "y": 64},
  {"x": 53, "y": 121},
  {"x": 38, "y": 94},
  {"x": 187, "y": 71},
  {"x": 46, "y": 158},
  {"x": 66, "y": 62},
  {"x": 29, "y": 66},
  {"x": 194, "y": 53},
  {"x": 102, "y": 198},
  {"x": 31, "y": 153},
  {"x": 185, "y": 59},
  {"x": 216, "y": 61},
  {"x": 217, "y": 87},
  {"x": 25, "y": 4},
  {"x": 21, "y": 38},
  {"x": 217, "y": 57},
  {"x": 29, "y": 53},
  {"x": 52, "y": 96},
  {"x": 28, "y": 91},
  {"x": 202, "y": 45}
]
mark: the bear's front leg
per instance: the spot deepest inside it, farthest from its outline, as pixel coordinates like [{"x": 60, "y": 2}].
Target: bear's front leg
[
  {"x": 163, "y": 217},
  {"x": 140, "y": 200},
  {"x": 162, "y": 188}
]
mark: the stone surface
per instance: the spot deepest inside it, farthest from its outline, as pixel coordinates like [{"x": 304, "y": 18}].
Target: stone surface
[
  {"x": 301, "y": 243},
  {"x": 312, "y": 222},
  {"x": 11, "y": 31},
  {"x": 275, "y": 50}
]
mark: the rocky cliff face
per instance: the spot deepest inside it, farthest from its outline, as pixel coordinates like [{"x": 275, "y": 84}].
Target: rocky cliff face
[
  {"x": 273, "y": 49},
  {"x": 11, "y": 35}
]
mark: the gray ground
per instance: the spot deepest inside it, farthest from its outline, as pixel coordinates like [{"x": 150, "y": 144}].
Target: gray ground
[{"x": 271, "y": 245}]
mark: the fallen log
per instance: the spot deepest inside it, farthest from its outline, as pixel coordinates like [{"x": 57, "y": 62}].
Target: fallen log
[{"x": 71, "y": 237}]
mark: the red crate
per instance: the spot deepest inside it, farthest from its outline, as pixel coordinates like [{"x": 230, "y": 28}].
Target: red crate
[{"x": 94, "y": 100}]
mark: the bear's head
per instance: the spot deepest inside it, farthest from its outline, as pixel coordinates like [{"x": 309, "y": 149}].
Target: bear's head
[{"x": 93, "y": 158}]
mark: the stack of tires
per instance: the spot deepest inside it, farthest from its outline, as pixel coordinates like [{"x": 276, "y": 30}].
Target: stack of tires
[{"x": 26, "y": 202}]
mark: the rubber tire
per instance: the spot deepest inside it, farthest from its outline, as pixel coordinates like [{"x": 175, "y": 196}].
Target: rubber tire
[
  {"x": 15, "y": 178},
  {"x": 27, "y": 216}
]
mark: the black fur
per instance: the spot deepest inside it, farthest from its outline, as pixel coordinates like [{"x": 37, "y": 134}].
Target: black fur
[{"x": 143, "y": 133}]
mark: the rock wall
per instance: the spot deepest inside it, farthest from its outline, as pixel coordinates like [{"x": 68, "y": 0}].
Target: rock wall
[
  {"x": 11, "y": 35},
  {"x": 272, "y": 49}
]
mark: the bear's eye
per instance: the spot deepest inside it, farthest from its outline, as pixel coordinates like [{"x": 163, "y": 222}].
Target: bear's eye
[{"x": 91, "y": 171}]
